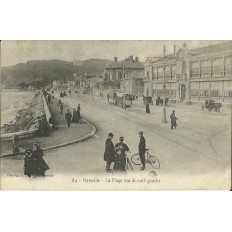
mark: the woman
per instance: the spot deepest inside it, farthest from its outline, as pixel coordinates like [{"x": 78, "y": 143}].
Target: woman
[
  {"x": 29, "y": 163},
  {"x": 75, "y": 116},
  {"x": 40, "y": 166},
  {"x": 147, "y": 108},
  {"x": 78, "y": 112}
]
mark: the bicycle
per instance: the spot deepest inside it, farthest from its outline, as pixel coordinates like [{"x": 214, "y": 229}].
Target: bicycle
[{"x": 151, "y": 159}]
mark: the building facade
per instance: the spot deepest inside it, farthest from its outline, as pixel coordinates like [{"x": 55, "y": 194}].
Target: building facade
[
  {"x": 192, "y": 75},
  {"x": 126, "y": 74}
]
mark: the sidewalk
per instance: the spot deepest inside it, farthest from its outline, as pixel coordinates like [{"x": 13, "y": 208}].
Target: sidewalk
[{"x": 60, "y": 136}]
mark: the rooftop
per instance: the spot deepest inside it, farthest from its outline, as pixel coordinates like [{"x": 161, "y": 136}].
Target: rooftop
[{"x": 128, "y": 62}]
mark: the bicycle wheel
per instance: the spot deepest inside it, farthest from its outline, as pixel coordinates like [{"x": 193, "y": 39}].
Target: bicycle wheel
[
  {"x": 154, "y": 162},
  {"x": 135, "y": 159},
  {"x": 129, "y": 164}
]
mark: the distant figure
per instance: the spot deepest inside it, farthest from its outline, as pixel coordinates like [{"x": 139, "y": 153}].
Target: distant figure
[
  {"x": 75, "y": 117},
  {"x": 52, "y": 122},
  {"x": 59, "y": 102},
  {"x": 173, "y": 120},
  {"x": 15, "y": 147},
  {"x": 109, "y": 154},
  {"x": 61, "y": 108},
  {"x": 142, "y": 149},
  {"x": 61, "y": 94},
  {"x": 68, "y": 117},
  {"x": 29, "y": 163},
  {"x": 65, "y": 94},
  {"x": 39, "y": 166},
  {"x": 49, "y": 98},
  {"x": 78, "y": 113},
  {"x": 108, "y": 97},
  {"x": 120, "y": 156},
  {"x": 147, "y": 108},
  {"x": 44, "y": 126},
  {"x": 70, "y": 92},
  {"x": 158, "y": 100}
]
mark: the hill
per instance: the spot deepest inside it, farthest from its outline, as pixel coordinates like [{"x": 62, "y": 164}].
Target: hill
[{"x": 40, "y": 73}]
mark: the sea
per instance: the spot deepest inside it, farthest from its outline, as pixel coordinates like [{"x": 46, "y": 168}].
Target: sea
[{"x": 11, "y": 102}]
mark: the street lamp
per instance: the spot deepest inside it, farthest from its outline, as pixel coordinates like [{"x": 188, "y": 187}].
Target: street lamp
[
  {"x": 124, "y": 97},
  {"x": 164, "y": 118}
]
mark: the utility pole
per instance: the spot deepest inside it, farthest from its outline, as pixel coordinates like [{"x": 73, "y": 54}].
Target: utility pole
[
  {"x": 124, "y": 97},
  {"x": 164, "y": 118}
]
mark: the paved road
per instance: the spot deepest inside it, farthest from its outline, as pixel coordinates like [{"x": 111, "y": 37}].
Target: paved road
[{"x": 200, "y": 145}]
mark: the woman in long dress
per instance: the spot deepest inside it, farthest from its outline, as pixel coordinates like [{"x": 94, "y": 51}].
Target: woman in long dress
[
  {"x": 40, "y": 166},
  {"x": 75, "y": 116}
]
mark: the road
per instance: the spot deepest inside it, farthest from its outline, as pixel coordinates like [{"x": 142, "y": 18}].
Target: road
[{"x": 200, "y": 145}]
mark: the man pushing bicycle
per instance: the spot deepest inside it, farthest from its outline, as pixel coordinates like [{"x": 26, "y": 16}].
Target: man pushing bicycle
[{"x": 142, "y": 149}]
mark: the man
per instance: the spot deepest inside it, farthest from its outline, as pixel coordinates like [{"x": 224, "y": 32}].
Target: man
[
  {"x": 109, "y": 154},
  {"x": 120, "y": 157},
  {"x": 142, "y": 149},
  {"x": 68, "y": 117},
  {"x": 173, "y": 120}
]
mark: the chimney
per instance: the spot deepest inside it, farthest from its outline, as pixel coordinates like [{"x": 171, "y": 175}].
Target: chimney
[
  {"x": 137, "y": 59},
  {"x": 115, "y": 59}
]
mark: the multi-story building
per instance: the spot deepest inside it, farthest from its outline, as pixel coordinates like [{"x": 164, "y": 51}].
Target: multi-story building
[
  {"x": 128, "y": 73},
  {"x": 192, "y": 75}
]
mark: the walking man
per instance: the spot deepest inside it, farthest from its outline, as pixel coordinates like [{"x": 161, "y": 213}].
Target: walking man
[
  {"x": 173, "y": 119},
  {"x": 142, "y": 149},
  {"x": 109, "y": 154},
  {"x": 68, "y": 117}
]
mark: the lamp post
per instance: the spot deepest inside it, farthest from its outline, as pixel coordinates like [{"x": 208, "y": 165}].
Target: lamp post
[
  {"x": 164, "y": 118},
  {"x": 124, "y": 97}
]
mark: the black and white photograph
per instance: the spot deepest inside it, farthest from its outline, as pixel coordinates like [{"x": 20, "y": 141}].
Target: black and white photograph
[{"x": 116, "y": 114}]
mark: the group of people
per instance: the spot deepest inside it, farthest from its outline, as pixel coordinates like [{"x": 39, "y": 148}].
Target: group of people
[
  {"x": 75, "y": 117},
  {"x": 117, "y": 154},
  {"x": 34, "y": 164},
  {"x": 63, "y": 94}
]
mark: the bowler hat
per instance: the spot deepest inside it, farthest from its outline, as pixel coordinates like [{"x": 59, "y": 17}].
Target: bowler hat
[
  {"x": 140, "y": 132},
  {"x": 121, "y": 137},
  {"x": 110, "y": 134}
]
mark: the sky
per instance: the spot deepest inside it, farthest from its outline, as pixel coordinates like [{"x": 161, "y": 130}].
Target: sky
[{"x": 13, "y": 52}]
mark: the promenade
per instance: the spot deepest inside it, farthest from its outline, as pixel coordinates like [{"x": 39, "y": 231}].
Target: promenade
[{"x": 60, "y": 136}]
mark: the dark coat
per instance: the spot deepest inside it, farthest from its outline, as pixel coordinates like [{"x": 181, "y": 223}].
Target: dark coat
[
  {"x": 109, "y": 154},
  {"x": 147, "y": 108},
  {"x": 120, "y": 157},
  {"x": 173, "y": 119},
  {"x": 39, "y": 166},
  {"x": 68, "y": 117},
  {"x": 75, "y": 117},
  {"x": 142, "y": 145}
]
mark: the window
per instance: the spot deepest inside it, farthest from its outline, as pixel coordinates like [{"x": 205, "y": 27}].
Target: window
[
  {"x": 160, "y": 72},
  {"x": 173, "y": 74},
  {"x": 155, "y": 71},
  {"x": 205, "y": 68},
  {"x": 167, "y": 72},
  {"x": 195, "y": 70},
  {"x": 218, "y": 67},
  {"x": 195, "y": 89},
  {"x": 228, "y": 66},
  {"x": 228, "y": 89}
]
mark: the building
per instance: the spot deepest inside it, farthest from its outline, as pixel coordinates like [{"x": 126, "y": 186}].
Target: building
[
  {"x": 192, "y": 75},
  {"x": 133, "y": 83},
  {"x": 128, "y": 73}
]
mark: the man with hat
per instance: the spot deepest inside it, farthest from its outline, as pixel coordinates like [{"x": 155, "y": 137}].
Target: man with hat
[
  {"x": 142, "y": 149},
  {"x": 173, "y": 119},
  {"x": 109, "y": 154},
  {"x": 120, "y": 157}
]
